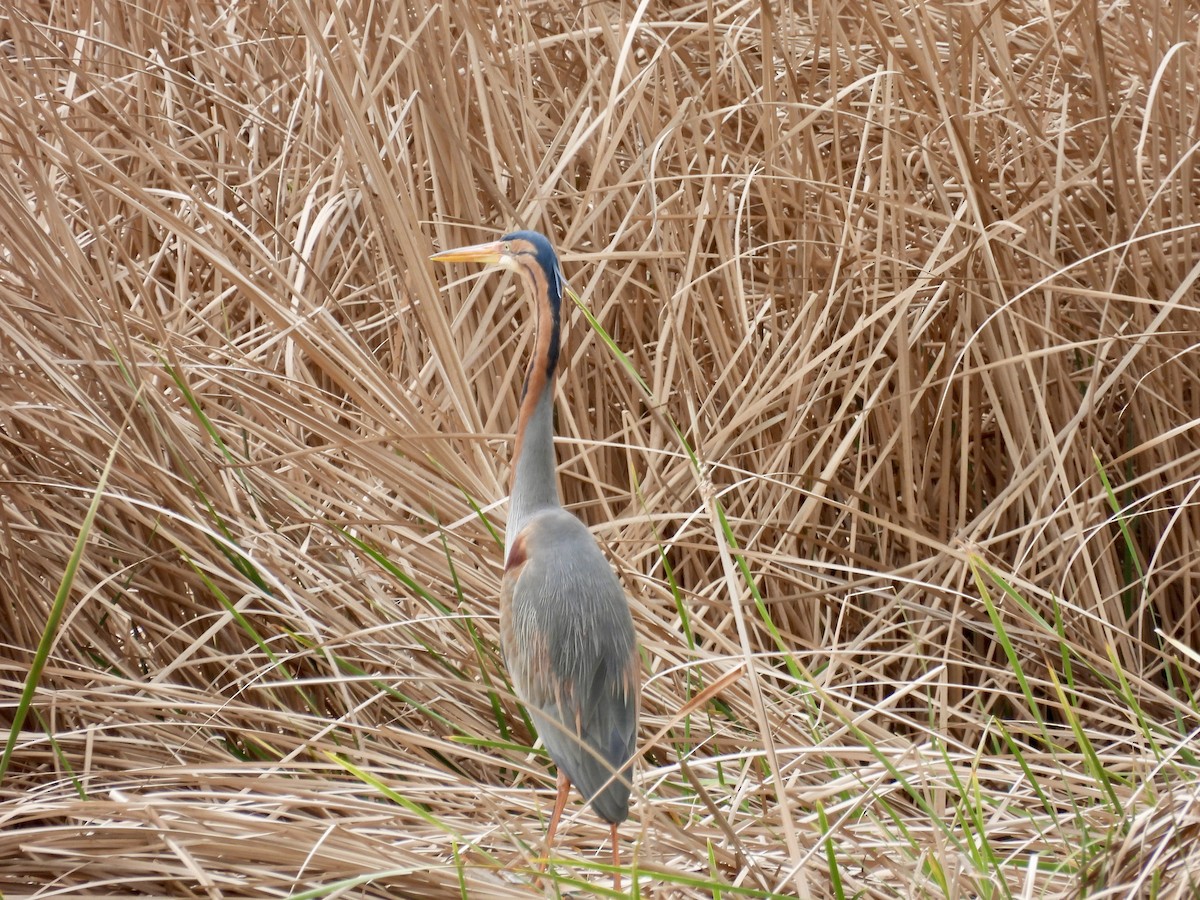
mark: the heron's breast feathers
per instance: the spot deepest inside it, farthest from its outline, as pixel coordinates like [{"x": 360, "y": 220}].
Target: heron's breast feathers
[{"x": 565, "y": 628}]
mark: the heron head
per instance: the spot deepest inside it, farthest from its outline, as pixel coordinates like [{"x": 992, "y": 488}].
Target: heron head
[{"x": 517, "y": 251}]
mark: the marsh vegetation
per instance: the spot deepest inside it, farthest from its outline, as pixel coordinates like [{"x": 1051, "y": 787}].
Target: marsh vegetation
[{"x": 881, "y": 390}]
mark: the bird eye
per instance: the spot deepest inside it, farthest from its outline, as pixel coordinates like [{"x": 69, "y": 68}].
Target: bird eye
[{"x": 508, "y": 246}]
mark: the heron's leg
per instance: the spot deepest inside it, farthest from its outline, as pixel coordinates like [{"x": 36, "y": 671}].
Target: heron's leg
[
  {"x": 564, "y": 787},
  {"x": 616, "y": 842}
]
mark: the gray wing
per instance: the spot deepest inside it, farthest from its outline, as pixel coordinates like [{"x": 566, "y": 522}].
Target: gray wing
[{"x": 569, "y": 647}]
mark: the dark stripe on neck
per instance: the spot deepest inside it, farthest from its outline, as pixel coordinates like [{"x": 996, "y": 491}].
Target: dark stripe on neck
[
  {"x": 552, "y": 354},
  {"x": 548, "y": 316}
]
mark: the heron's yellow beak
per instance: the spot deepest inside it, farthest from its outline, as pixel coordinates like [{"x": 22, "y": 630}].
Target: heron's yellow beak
[{"x": 490, "y": 254}]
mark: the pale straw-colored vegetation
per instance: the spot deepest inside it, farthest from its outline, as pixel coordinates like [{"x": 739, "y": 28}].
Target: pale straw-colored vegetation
[{"x": 889, "y": 416}]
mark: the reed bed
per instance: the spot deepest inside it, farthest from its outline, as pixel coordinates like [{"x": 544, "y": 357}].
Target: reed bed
[{"x": 881, "y": 391}]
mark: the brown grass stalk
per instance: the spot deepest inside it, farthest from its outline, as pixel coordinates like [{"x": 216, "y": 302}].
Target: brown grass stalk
[{"x": 916, "y": 284}]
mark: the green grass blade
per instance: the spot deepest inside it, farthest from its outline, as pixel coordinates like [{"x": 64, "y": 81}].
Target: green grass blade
[{"x": 50, "y": 631}]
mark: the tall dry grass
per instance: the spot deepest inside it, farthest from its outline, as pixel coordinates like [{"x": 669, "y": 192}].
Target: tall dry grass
[{"x": 888, "y": 417}]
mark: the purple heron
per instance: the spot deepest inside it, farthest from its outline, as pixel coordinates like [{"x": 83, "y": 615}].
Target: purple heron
[{"x": 566, "y": 634}]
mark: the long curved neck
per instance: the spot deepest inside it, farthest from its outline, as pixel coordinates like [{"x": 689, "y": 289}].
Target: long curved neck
[{"x": 534, "y": 475}]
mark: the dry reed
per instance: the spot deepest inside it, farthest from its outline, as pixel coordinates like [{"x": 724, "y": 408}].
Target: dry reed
[{"x": 889, "y": 418}]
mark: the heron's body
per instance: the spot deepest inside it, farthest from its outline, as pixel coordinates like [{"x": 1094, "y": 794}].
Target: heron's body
[
  {"x": 581, "y": 688},
  {"x": 565, "y": 628}
]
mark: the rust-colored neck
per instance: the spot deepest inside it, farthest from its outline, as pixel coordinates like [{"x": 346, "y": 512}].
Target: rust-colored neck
[{"x": 534, "y": 475}]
